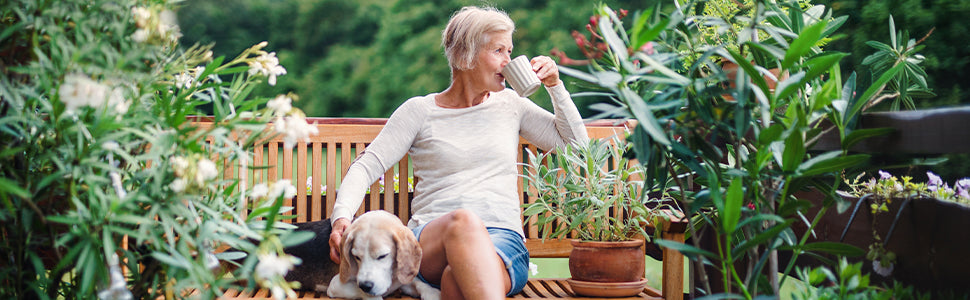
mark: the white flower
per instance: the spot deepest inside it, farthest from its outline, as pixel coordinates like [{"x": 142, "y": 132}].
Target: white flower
[
  {"x": 268, "y": 65},
  {"x": 533, "y": 269},
  {"x": 116, "y": 183},
  {"x": 283, "y": 188},
  {"x": 259, "y": 190},
  {"x": 110, "y": 146},
  {"x": 278, "y": 292},
  {"x": 211, "y": 261},
  {"x": 163, "y": 27},
  {"x": 885, "y": 271},
  {"x": 280, "y": 124},
  {"x": 206, "y": 171},
  {"x": 168, "y": 26},
  {"x": 141, "y": 15},
  {"x": 281, "y": 105},
  {"x": 294, "y": 128},
  {"x": 178, "y": 185},
  {"x": 79, "y": 90},
  {"x": 289, "y": 192},
  {"x": 271, "y": 265},
  {"x": 180, "y": 165},
  {"x": 184, "y": 80},
  {"x": 140, "y": 35},
  {"x": 116, "y": 101}
]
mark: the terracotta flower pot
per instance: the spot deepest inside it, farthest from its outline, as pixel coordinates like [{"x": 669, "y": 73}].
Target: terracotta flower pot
[
  {"x": 731, "y": 70},
  {"x": 607, "y": 269},
  {"x": 607, "y": 261}
]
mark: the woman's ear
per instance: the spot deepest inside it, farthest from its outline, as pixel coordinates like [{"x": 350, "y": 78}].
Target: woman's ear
[
  {"x": 348, "y": 264},
  {"x": 408, "y": 256}
]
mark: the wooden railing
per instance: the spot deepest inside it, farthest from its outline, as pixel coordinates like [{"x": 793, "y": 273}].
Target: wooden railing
[{"x": 327, "y": 156}]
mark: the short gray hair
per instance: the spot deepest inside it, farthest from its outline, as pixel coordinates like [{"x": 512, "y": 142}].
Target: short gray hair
[{"x": 467, "y": 32}]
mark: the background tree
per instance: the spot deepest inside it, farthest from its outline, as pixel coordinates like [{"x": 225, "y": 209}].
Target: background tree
[
  {"x": 364, "y": 58},
  {"x": 946, "y": 59}
]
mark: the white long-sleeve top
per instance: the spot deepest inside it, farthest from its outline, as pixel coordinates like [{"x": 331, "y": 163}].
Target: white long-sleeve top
[{"x": 462, "y": 158}]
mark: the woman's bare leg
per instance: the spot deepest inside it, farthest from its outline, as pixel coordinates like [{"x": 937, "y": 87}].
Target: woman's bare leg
[{"x": 460, "y": 256}]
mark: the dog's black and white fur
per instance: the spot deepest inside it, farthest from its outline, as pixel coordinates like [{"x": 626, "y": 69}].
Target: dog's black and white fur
[{"x": 316, "y": 270}]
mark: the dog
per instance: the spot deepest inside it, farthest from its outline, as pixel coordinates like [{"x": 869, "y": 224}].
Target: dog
[{"x": 378, "y": 256}]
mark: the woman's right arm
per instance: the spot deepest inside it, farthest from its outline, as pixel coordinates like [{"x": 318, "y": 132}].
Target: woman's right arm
[{"x": 388, "y": 148}]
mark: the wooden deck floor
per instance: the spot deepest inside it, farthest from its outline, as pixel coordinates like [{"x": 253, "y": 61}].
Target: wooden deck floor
[{"x": 556, "y": 288}]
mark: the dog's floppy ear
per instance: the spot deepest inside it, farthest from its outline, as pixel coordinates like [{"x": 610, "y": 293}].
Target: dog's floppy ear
[
  {"x": 348, "y": 265},
  {"x": 408, "y": 257}
]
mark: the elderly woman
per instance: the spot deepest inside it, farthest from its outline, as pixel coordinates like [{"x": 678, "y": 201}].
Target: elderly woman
[{"x": 462, "y": 142}]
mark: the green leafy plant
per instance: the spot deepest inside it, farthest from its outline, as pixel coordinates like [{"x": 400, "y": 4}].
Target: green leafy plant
[
  {"x": 731, "y": 23},
  {"x": 736, "y": 149},
  {"x": 847, "y": 282},
  {"x": 577, "y": 186},
  {"x": 908, "y": 83},
  {"x": 107, "y": 187}
]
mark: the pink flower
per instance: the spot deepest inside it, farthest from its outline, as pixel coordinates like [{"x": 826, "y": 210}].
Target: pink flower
[
  {"x": 647, "y": 48},
  {"x": 884, "y": 175}
]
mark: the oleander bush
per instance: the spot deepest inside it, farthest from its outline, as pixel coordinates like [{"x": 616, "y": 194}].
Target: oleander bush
[{"x": 107, "y": 189}]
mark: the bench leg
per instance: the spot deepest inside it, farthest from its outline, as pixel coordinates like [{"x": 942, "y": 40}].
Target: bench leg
[{"x": 673, "y": 269}]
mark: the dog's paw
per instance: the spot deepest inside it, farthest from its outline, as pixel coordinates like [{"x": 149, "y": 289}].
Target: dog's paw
[
  {"x": 426, "y": 291},
  {"x": 338, "y": 289}
]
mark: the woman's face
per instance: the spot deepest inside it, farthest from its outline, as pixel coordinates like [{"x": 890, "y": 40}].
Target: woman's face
[{"x": 491, "y": 59}]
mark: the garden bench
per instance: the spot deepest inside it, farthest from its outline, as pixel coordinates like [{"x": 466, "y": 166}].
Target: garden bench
[{"x": 324, "y": 159}]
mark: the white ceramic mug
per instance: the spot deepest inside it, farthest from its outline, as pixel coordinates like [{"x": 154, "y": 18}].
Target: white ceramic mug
[{"x": 520, "y": 76}]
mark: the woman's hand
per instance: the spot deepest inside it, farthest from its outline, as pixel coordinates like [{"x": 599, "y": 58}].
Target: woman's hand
[
  {"x": 336, "y": 236},
  {"x": 547, "y": 70}
]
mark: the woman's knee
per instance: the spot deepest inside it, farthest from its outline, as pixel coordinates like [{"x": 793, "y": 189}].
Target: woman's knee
[{"x": 463, "y": 221}]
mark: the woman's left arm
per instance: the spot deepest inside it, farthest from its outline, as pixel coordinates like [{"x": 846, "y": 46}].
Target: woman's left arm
[{"x": 565, "y": 125}]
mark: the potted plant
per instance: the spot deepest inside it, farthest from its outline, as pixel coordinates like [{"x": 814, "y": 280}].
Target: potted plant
[
  {"x": 575, "y": 188},
  {"x": 738, "y": 163}
]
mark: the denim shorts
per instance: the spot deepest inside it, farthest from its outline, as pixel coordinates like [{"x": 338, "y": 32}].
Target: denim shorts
[{"x": 510, "y": 247}]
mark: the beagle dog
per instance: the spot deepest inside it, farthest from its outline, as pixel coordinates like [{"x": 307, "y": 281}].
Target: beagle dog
[{"x": 378, "y": 256}]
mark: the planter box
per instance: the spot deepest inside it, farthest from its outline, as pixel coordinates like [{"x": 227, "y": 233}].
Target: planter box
[{"x": 930, "y": 239}]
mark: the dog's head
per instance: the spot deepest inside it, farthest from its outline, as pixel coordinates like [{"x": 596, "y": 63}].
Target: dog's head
[{"x": 379, "y": 253}]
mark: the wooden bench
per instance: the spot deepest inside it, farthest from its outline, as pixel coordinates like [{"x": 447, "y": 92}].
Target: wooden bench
[{"x": 326, "y": 157}]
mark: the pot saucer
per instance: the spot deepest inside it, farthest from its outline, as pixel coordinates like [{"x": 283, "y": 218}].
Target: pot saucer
[{"x": 607, "y": 289}]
